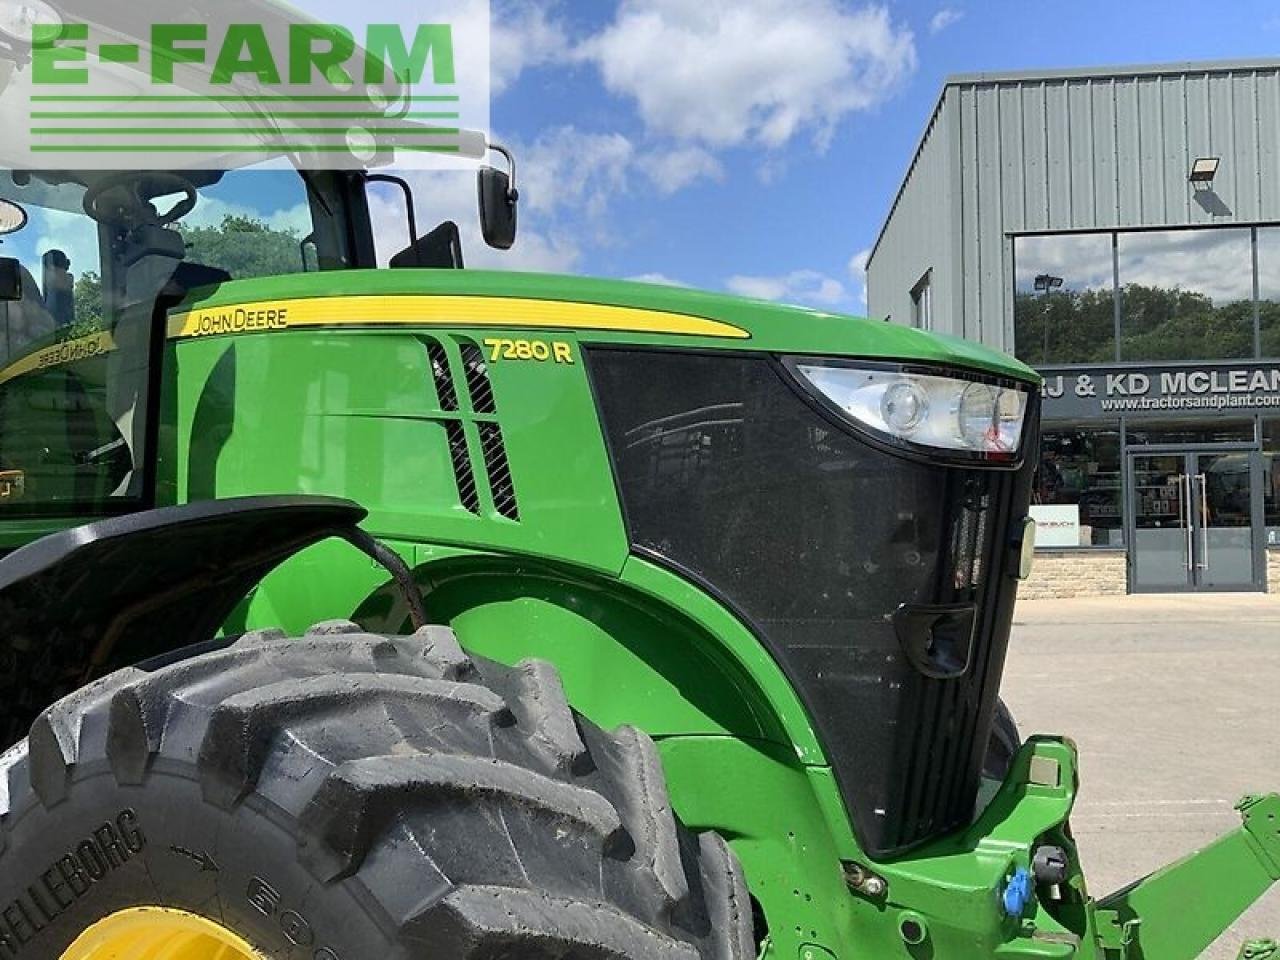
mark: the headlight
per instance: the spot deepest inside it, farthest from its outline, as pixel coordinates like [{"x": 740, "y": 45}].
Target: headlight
[
  {"x": 979, "y": 416},
  {"x": 18, "y": 17}
]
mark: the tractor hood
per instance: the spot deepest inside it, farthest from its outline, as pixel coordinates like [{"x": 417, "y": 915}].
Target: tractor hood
[{"x": 607, "y": 311}]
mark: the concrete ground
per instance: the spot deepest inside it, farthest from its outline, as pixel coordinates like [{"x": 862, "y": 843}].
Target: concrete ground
[{"x": 1173, "y": 701}]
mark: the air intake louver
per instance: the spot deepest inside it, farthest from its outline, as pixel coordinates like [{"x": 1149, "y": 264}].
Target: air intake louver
[
  {"x": 479, "y": 413},
  {"x": 439, "y": 360},
  {"x": 495, "y": 462},
  {"x": 477, "y": 372},
  {"x": 467, "y": 493}
]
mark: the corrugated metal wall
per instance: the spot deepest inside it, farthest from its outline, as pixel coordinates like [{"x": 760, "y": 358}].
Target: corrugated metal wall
[
  {"x": 919, "y": 236},
  {"x": 1074, "y": 153}
]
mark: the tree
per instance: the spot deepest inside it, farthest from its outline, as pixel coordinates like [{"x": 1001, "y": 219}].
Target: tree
[
  {"x": 88, "y": 295},
  {"x": 1156, "y": 324},
  {"x": 244, "y": 247}
]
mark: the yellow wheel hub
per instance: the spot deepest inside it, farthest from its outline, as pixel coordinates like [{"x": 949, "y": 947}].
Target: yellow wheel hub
[{"x": 159, "y": 933}]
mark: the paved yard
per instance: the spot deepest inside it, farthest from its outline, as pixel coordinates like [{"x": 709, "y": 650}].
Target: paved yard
[{"x": 1173, "y": 702}]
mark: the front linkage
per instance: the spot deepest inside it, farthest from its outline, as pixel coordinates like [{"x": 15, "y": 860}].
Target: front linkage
[{"x": 1042, "y": 908}]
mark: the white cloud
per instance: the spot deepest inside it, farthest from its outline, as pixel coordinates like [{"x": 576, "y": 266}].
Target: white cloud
[
  {"x": 858, "y": 270},
  {"x": 72, "y": 233},
  {"x": 1213, "y": 262},
  {"x": 658, "y": 278},
  {"x": 728, "y": 72},
  {"x": 524, "y": 34},
  {"x": 807, "y": 287},
  {"x": 943, "y": 19},
  {"x": 671, "y": 170},
  {"x": 210, "y": 212},
  {"x": 567, "y": 179},
  {"x": 568, "y": 168}
]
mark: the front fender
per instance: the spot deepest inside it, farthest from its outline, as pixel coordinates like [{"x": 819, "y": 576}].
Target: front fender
[{"x": 118, "y": 591}]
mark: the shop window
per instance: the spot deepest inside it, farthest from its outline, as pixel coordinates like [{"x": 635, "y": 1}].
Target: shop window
[
  {"x": 1064, "y": 299},
  {"x": 1269, "y": 290},
  {"x": 1181, "y": 432},
  {"x": 1271, "y": 479},
  {"x": 1080, "y": 467},
  {"x": 1186, "y": 294}
]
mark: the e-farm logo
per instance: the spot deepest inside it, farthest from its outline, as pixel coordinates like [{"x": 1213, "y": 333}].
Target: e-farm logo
[{"x": 203, "y": 94}]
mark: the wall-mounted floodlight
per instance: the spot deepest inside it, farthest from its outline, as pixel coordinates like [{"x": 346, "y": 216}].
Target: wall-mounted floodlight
[
  {"x": 1045, "y": 282},
  {"x": 1204, "y": 169}
]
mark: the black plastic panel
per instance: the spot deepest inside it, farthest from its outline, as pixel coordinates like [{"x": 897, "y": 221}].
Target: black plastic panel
[
  {"x": 817, "y": 538},
  {"x": 77, "y": 603}
]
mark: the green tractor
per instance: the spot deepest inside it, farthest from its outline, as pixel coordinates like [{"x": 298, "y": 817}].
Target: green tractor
[{"x": 354, "y": 613}]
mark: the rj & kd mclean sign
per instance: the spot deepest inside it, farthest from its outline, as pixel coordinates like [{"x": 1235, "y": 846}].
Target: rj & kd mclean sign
[{"x": 1080, "y": 393}]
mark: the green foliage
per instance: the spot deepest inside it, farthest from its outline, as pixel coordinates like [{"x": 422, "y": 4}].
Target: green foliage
[
  {"x": 244, "y": 247},
  {"x": 88, "y": 294},
  {"x": 1156, "y": 324}
]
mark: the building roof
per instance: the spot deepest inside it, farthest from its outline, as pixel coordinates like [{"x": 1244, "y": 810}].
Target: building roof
[
  {"x": 1180, "y": 68},
  {"x": 1104, "y": 72}
]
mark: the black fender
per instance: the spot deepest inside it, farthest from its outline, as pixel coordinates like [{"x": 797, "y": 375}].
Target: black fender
[{"x": 118, "y": 591}]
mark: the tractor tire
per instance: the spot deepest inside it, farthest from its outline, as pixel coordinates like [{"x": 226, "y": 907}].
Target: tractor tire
[
  {"x": 1004, "y": 744},
  {"x": 349, "y": 796}
]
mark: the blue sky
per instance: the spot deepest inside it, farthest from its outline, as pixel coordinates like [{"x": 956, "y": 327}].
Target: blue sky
[{"x": 755, "y": 145}]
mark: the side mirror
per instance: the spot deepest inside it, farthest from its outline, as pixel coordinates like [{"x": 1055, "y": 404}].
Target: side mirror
[
  {"x": 498, "y": 199},
  {"x": 10, "y": 279},
  {"x": 439, "y": 249}
]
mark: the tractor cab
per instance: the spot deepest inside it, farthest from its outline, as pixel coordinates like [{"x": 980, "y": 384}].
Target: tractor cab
[{"x": 88, "y": 258}]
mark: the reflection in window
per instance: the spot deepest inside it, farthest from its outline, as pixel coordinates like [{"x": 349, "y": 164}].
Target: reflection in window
[
  {"x": 1186, "y": 294},
  {"x": 1269, "y": 289},
  {"x": 1142, "y": 433},
  {"x": 1271, "y": 479},
  {"x": 1081, "y": 466},
  {"x": 1064, "y": 310}
]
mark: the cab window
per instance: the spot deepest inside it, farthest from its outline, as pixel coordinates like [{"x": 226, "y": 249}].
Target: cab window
[{"x": 97, "y": 252}]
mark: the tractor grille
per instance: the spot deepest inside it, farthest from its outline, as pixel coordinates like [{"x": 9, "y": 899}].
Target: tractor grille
[
  {"x": 945, "y": 723},
  {"x": 833, "y": 550}
]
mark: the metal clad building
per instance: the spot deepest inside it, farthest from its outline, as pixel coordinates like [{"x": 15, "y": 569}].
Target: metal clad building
[{"x": 1022, "y": 186}]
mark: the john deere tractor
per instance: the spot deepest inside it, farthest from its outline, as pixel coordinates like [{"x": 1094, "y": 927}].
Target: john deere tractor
[{"x": 355, "y": 613}]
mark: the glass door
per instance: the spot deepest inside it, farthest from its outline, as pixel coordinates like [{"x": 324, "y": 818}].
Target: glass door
[
  {"x": 1163, "y": 538},
  {"x": 1223, "y": 499},
  {"x": 1195, "y": 521}
]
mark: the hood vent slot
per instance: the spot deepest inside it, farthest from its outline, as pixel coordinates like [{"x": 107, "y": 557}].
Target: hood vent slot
[
  {"x": 477, "y": 371},
  {"x": 499, "y": 469},
  {"x": 439, "y": 360},
  {"x": 461, "y": 460}
]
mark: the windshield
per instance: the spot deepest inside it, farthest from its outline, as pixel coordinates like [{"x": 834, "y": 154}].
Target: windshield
[{"x": 98, "y": 252}]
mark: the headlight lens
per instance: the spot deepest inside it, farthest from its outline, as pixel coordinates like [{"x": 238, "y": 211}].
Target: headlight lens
[
  {"x": 924, "y": 409},
  {"x": 18, "y": 17}
]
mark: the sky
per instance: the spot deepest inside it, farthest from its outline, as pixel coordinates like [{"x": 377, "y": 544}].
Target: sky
[{"x": 754, "y": 146}]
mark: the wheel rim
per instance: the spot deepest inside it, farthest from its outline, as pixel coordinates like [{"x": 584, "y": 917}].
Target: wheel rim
[{"x": 159, "y": 933}]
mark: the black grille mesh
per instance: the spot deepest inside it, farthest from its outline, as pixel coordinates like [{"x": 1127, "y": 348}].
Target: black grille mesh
[
  {"x": 467, "y": 493},
  {"x": 817, "y": 537},
  {"x": 477, "y": 373},
  {"x": 495, "y": 461},
  {"x": 440, "y": 376}
]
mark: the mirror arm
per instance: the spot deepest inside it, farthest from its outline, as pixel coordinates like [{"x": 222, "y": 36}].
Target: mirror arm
[
  {"x": 512, "y": 192},
  {"x": 408, "y": 201}
]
